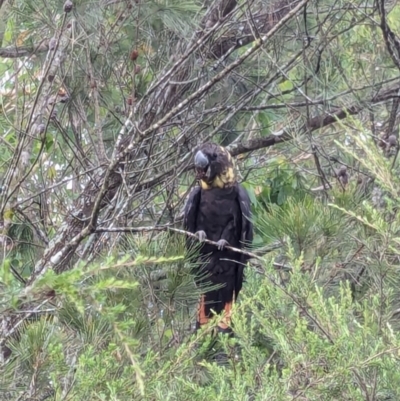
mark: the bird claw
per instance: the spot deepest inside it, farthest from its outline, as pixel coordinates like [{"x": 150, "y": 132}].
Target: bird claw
[
  {"x": 201, "y": 235},
  {"x": 222, "y": 244}
]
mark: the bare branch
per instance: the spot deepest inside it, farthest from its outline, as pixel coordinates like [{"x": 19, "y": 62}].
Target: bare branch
[
  {"x": 391, "y": 40},
  {"x": 186, "y": 233},
  {"x": 315, "y": 123},
  {"x": 24, "y": 51}
]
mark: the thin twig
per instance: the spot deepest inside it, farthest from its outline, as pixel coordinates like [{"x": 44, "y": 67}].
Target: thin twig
[{"x": 19, "y": 322}]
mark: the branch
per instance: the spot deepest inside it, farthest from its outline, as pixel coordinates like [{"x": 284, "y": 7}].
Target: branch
[
  {"x": 183, "y": 232},
  {"x": 280, "y": 136},
  {"x": 313, "y": 124},
  {"x": 242, "y": 33},
  {"x": 24, "y": 51},
  {"x": 12, "y": 330},
  {"x": 71, "y": 235},
  {"x": 391, "y": 41},
  {"x": 218, "y": 77}
]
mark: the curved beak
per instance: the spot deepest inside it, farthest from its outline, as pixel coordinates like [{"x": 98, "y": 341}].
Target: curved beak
[{"x": 200, "y": 160}]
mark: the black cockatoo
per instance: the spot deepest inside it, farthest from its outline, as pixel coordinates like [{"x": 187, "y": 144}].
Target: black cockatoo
[{"x": 219, "y": 210}]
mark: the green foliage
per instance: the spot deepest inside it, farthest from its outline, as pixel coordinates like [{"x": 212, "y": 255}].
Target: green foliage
[
  {"x": 318, "y": 317},
  {"x": 301, "y": 328}
]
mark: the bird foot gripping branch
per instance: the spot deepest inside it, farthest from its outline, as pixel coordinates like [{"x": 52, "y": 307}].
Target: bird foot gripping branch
[
  {"x": 219, "y": 210},
  {"x": 222, "y": 244},
  {"x": 201, "y": 235}
]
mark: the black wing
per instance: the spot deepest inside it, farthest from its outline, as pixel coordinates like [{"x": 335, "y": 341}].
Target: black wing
[
  {"x": 191, "y": 210},
  {"x": 246, "y": 236}
]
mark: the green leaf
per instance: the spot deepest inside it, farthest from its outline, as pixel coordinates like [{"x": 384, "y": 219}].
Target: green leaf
[
  {"x": 281, "y": 196},
  {"x": 49, "y": 141},
  {"x": 286, "y": 86},
  {"x": 264, "y": 120},
  {"x": 251, "y": 192}
]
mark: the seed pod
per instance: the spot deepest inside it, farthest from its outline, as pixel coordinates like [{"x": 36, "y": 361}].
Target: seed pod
[
  {"x": 52, "y": 43},
  {"x": 344, "y": 179},
  {"x": 130, "y": 100},
  {"x": 41, "y": 128},
  {"x": 392, "y": 140},
  {"x": 342, "y": 171},
  {"x": 134, "y": 55},
  {"x": 64, "y": 99},
  {"x": 137, "y": 69},
  {"x": 24, "y": 158},
  {"x": 68, "y": 6}
]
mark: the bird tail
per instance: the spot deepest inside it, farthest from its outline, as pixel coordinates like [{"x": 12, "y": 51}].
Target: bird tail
[{"x": 220, "y": 301}]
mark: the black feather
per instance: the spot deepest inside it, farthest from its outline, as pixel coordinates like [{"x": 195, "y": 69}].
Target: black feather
[{"x": 223, "y": 213}]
